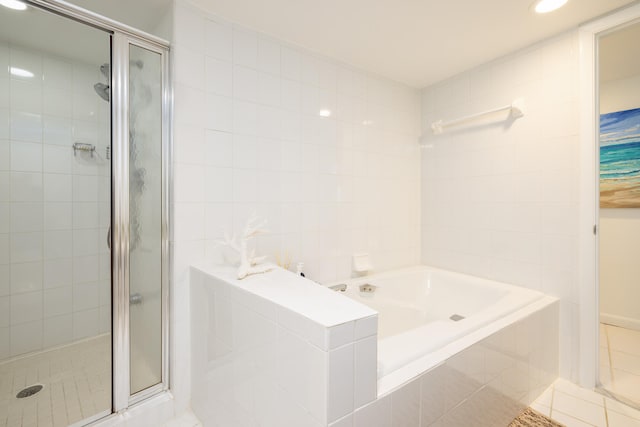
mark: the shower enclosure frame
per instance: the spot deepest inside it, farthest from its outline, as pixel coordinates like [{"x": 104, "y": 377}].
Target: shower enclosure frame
[
  {"x": 588, "y": 236},
  {"x": 122, "y": 38}
]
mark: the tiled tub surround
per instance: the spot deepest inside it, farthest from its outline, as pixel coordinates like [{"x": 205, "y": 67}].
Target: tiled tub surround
[
  {"x": 420, "y": 310},
  {"x": 248, "y": 138},
  {"x": 484, "y": 379},
  {"x": 258, "y": 363},
  {"x": 501, "y": 201},
  {"x": 277, "y": 350}
]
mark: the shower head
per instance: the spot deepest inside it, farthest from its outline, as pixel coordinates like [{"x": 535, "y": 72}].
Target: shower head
[{"x": 102, "y": 90}]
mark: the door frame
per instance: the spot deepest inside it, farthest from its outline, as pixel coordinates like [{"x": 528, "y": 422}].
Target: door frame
[
  {"x": 122, "y": 37},
  {"x": 588, "y": 268}
]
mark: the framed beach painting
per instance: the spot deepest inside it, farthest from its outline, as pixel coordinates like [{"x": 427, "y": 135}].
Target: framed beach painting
[{"x": 620, "y": 159}]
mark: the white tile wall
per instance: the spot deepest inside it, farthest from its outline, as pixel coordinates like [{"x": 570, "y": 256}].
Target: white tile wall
[
  {"x": 52, "y": 232},
  {"x": 255, "y": 362},
  {"x": 501, "y": 201},
  {"x": 248, "y": 139},
  {"x": 476, "y": 386}
]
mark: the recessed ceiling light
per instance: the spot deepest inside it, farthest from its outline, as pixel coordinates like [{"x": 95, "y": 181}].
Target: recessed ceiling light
[
  {"x": 19, "y": 72},
  {"x": 544, "y": 6},
  {"x": 325, "y": 113},
  {"x": 13, "y": 4}
]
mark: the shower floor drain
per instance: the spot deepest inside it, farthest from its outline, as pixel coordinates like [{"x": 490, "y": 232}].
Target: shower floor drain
[
  {"x": 456, "y": 317},
  {"x": 29, "y": 391}
]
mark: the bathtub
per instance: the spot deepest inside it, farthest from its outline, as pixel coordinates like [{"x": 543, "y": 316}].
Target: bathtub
[
  {"x": 378, "y": 354},
  {"x": 423, "y": 309}
]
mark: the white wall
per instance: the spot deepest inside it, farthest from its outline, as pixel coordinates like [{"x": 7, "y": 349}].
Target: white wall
[
  {"x": 54, "y": 210},
  {"x": 620, "y": 229},
  {"x": 248, "y": 138},
  {"x": 501, "y": 201},
  {"x": 266, "y": 357}
]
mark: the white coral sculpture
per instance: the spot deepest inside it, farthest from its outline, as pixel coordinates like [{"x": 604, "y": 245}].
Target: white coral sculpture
[{"x": 249, "y": 262}]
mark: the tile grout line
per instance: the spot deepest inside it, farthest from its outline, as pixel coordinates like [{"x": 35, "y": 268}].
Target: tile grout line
[{"x": 577, "y": 416}]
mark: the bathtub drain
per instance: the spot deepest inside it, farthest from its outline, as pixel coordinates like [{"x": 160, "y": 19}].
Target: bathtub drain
[
  {"x": 29, "y": 391},
  {"x": 456, "y": 317}
]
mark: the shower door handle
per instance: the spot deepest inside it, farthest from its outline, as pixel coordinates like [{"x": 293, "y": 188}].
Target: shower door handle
[{"x": 109, "y": 238}]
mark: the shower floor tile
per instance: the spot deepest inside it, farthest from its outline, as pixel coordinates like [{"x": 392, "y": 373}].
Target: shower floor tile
[{"x": 76, "y": 380}]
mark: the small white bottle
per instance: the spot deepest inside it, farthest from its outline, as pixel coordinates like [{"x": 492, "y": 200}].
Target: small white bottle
[{"x": 299, "y": 267}]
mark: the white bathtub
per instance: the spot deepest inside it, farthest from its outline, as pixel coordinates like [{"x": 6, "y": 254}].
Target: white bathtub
[{"x": 416, "y": 306}]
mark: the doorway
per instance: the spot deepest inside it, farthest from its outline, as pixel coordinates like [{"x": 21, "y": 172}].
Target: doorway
[{"x": 619, "y": 212}]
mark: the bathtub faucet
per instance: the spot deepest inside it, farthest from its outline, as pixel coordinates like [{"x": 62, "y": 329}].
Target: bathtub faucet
[{"x": 339, "y": 288}]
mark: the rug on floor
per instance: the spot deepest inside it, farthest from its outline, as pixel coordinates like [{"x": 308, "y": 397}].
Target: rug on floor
[{"x": 531, "y": 418}]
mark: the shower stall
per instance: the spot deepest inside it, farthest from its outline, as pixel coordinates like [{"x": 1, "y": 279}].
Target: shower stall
[{"x": 84, "y": 173}]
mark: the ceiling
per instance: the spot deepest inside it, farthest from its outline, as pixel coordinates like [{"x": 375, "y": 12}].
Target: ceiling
[
  {"x": 619, "y": 54},
  {"x": 145, "y": 15},
  {"x": 418, "y": 42},
  {"x": 43, "y": 31}
]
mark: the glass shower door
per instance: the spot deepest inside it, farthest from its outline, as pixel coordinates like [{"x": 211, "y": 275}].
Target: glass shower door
[
  {"x": 55, "y": 210},
  {"x": 146, "y": 217}
]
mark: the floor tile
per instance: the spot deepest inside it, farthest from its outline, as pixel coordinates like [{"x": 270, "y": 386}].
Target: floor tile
[
  {"x": 544, "y": 410},
  {"x": 604, "y": 356},
  {"x": 545, "y": 398},
  {"x": 619, "y": 420},
  {"x": 76, "y": 379},
  {"x": 586, "y": 411},
  {"x": 568, "y": 420},
  {"x": 187, "y": 419},
  {"x": 623, "y": 376},
  {"x": 623, "y": 339},
  {"x": 605, "y": 376},
  {"x": 615, "y": 406},
  {"x": 625, "y": 361},
  {"x": 574, "y": 406},
  {"x": 575, "y": 390},
  {"x": 626, "y": 384}
]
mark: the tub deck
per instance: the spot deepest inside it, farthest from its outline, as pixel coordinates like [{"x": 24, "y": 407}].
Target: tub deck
[{"x": 422, "y": 309}]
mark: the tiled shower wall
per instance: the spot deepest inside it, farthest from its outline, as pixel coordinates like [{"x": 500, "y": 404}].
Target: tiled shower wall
[
  {"x": 249, "y": 138},
  {"x": 501, "y": 201},
  {"x": 54, "y": 210}
]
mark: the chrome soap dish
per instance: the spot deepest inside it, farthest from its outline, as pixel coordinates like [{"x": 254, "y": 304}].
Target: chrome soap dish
[{"x": 81, "y": 146}]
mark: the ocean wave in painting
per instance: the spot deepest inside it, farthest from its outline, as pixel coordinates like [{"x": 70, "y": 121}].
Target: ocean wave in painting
[{"x": 620, "y": 159}]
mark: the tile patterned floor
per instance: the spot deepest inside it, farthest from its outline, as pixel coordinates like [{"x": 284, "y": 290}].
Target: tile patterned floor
[
  {"x": 76, "y": 379},
  {"x": 620, "y": 361},
  {"x": 77, "y": 383},
  {"x": 188, "y": 419},
  {"x": 574, "y": 406}
]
